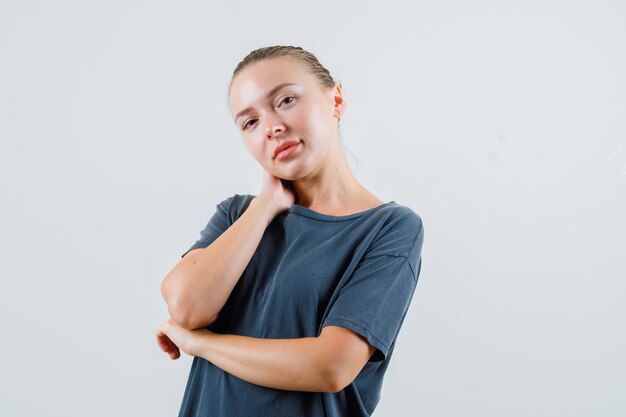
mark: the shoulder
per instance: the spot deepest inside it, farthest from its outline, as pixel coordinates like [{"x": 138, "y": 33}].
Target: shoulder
[
  {"x": 235, "y": 205},
  {"x": 401, "y": 220},
  {"x": 401, "y": 233}
]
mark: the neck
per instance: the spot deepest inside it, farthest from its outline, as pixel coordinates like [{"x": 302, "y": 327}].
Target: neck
[{"x": 332, "y": 185}]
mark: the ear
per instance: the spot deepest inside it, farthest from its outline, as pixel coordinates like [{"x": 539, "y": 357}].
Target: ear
[{"x": 338, "y": 101}]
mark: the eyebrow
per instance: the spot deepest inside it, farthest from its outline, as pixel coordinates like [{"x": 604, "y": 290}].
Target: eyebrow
[{"x": 269, "y": 94}]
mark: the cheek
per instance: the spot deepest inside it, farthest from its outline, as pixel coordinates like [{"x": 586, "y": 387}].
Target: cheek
[
  {"x": 253, "y": 145},
  {"x": 256, "y": 149},
  {"x": 318, "y": 122}
]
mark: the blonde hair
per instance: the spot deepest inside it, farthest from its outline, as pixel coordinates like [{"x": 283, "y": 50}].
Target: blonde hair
[{"x": 309, "y": 60}]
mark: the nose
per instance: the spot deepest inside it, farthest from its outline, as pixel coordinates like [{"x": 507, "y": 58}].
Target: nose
[{"x": 273, "y": 126}]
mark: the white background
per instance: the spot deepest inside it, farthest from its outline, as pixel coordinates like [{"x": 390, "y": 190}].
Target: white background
[{"x": 501, "y": 123}]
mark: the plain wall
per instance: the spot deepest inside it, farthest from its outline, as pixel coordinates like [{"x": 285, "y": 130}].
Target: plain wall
[{"x": 502, "y": 124}]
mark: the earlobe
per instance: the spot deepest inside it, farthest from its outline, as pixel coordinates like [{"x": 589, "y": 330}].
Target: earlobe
[
  {"x": 339, "y": 102},
  {"x": 340, "y": 107}
]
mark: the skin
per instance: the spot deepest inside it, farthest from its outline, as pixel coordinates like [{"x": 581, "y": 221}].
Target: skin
[{"x": 316, "y": 176}]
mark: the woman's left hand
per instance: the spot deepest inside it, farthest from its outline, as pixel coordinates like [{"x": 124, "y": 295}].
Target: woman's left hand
[{"x": 172, "y": 339}]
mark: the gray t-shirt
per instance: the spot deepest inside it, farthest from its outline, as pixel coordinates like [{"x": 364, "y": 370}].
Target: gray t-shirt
[{"x": 310, "y": 270}]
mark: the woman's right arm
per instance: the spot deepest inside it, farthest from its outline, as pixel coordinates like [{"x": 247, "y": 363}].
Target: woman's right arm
[{"x": 197, "y": 288}]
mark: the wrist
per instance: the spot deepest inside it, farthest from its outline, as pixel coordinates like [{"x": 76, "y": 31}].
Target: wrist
[
  {"x": 266, "y": 207},
  {"x": 203, "y": 344}
]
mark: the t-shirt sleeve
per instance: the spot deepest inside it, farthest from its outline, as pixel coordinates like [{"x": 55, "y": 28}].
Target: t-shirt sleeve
[
  {"x": 218, "y": 223},
  {"x": 375, "y": 299}
]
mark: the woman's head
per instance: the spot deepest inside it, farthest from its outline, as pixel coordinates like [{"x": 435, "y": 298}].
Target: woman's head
[{"x": 280, "y": 95}]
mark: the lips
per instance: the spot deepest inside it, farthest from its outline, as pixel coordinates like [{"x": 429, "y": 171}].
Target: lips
[{"x": 284, "y": 146}]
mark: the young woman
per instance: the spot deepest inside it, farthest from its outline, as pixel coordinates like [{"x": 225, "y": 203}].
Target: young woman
[{"x": 291, "y": 300}]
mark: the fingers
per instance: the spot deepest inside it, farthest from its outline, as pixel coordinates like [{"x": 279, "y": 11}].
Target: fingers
[
  {"x": 169, "y": 347},
  {"x": 166, "y": 345},
  {"x": 175, "y": 354}
]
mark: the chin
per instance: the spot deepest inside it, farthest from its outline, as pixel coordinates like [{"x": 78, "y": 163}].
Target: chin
[
  {"x": 286, "y": 177},
  {"x": 294, "y": 173}
]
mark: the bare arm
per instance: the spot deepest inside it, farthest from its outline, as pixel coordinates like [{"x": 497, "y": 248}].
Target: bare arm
[
  {"x": 327, "y": 363},
  {"x": 197, "y": 288}
]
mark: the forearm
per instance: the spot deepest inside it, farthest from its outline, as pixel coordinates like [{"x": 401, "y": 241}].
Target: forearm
[
  {"x": 289, "y": 364},
  {"x": 197, "y": 288}
]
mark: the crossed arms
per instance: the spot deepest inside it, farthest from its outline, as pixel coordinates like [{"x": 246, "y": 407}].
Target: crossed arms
[{"x": 197, "y": 288}]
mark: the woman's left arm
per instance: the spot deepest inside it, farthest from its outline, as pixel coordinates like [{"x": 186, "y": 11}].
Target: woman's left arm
[{"x": 327, "y": 363}]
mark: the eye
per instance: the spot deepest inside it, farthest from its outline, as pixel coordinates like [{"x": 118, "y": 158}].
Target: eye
[
  {"x": 245, "y": 125},
  {"x": 288, "y": 97},
  {"x": 285, "y": 100}
]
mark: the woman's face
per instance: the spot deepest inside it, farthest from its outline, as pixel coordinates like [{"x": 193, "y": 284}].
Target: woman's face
[{"x": 276, "y": 102}]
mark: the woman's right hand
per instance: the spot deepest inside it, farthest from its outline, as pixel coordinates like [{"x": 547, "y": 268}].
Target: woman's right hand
[{"x": 277, "y": 192}]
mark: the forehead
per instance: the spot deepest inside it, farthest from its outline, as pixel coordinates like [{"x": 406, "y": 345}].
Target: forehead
[{"x": 252, "y": 84}]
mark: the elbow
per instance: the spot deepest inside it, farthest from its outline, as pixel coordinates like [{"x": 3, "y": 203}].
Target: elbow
[
  {"x": 333, "y": 389},
  {"x": 167, "y": 290},
  {"x": 335, "y": 385},
  {"x": 335, "y": 379},
  {"x": 181, "y": 310},
  {"x": 181, "y": 317},
  {"x": 175, "y": 307},
  {"x": 184, "y": 317},
  {"x": 172, "y": 299}
]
